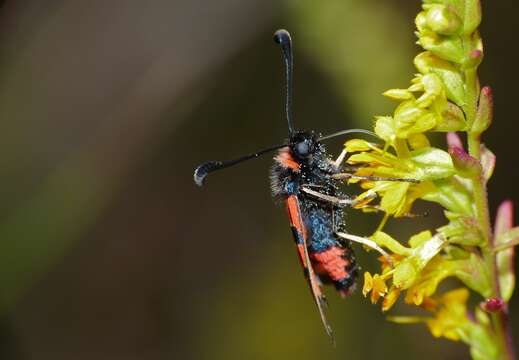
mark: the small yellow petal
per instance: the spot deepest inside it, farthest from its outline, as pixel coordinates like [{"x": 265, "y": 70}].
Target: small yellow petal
[
  {"x": 379, "y": 288},
  {"x": 398, "y": 94},
  {"x": 390, "y": 299},
  {"x": 368, "y": 283},
  {"x": 418, "y": 141}
]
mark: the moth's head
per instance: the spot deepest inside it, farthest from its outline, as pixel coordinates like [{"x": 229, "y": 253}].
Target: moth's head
[{"x": 303, "y": 144}]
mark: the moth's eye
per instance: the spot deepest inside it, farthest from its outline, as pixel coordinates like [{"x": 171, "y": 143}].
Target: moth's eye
[{"x": 303, "y": 148}]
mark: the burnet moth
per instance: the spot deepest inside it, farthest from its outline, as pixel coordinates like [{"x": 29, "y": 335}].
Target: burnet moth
[{"x": 307, "y": 180}]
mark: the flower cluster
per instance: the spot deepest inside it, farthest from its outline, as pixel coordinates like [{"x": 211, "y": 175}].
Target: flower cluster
[{"x": 443, "y": 97}]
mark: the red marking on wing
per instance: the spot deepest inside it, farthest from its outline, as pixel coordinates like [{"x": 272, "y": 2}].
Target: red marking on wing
[
  {"x": 301, "y": 251},
  {"x": 331, "y": 262},
  {"x": 294, "y": 215},
  {"x": 285, "y": 159}
]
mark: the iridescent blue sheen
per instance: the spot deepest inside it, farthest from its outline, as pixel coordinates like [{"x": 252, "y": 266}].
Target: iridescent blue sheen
[{"x": 320, "y": 226}]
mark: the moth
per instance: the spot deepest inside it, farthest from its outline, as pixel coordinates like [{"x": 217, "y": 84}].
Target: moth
[{"x": 308, "y": 181}]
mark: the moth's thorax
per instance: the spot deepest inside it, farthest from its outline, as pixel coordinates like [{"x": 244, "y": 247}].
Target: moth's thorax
[{"x": 286, "y": 160}]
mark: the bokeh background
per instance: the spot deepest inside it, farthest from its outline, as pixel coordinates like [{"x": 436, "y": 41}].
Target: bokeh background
[{"x": 107, "y": 248}]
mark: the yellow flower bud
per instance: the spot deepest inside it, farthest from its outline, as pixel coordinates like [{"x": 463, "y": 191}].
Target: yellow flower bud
[{"x": 443, "y": 21}]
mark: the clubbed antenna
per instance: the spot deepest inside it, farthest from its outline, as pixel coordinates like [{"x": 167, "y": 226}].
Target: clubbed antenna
[{"x": 282, "y": 37}]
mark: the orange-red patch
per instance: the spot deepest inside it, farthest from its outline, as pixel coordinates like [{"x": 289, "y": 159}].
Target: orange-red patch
[
  {"x": 286, "y": 160},
  {"x": 292, "y": 204},
  {"x": 301, "y": 250},
  {"x": 332, "y": 263}
]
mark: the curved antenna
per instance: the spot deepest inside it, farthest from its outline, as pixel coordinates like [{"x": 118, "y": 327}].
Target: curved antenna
[
  {"x": 282, "y": 37},
  {"x": 348, "y": 131},
  {"x": 204, "y": 169}
]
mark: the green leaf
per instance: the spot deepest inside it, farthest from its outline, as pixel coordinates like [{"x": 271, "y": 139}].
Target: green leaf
[
  {"x": 485, "y": 111},
  {"x": 508, "y": 237},
  {"x": 446, "y": 47},
  {"x": 393, "y": 200},
  {"x": 452, "y": 119},
  {"x": 432, "y": 164},
  {"x": 384, "y": 240},
  {"x": 407, "y": 271},
  {"x": 418, "y": 239},
  {"x": 488, "y": 162},
  {"x": 385, "y": 129},
  {"x": 463, "y": 231},
  {"x": 474, "y": 274},
  {"x": 452, "y": 195}
]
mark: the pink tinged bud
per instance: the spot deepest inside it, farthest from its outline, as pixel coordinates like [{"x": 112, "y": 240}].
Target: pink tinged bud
[
  {"x": 485, "y": 111},
  {"x": 454, "y": 141},
  {"x": 474, "y": 58},
  {"x": 505, "y": 259},
  {"x": 493, "y": 305},
  {"x": 488, "y": 162},
  {"x": 504, "y": 218},
  {"x": 466, "y": 165},
  {"x": 475, "y": 54}
]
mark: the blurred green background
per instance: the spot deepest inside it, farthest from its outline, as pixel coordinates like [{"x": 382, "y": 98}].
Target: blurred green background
[{"x": 107, "y": 248}]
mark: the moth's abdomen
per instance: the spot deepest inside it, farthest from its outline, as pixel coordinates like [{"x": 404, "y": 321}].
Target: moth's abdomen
[
  {"x": 333, "y": 260},
  {"x": 337, "y": 265}
]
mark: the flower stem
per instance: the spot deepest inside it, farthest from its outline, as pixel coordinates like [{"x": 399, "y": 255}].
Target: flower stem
[{"x": 500, "y": 320}]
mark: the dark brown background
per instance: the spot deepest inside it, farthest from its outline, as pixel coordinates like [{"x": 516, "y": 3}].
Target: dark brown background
[{"x": 107, "y": 248}]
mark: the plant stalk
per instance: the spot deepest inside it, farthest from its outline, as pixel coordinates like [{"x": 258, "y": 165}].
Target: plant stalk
[{"x": 500, "y": 319}]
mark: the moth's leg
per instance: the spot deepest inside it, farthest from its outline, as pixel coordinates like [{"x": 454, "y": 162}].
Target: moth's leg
[
  {"x": 345, "y": 201},
  {"x": 338, "y": 201},
  {"x": 341, "y": 176},
  {"x": 337, "y": 163},
  {"x": 333, "y": 218},
  {"x": 366, "y": 242},
  {"x": 406, "y": 215},
  {"x": 314, "y": 186}
]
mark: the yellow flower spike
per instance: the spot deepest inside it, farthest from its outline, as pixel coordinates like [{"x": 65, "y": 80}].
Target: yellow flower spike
[
  {"x": 430, "y": 277},
  {"x": 389, "y": 267},
  {"x": 390, "y": 299},
  {"x": 420, "y": 238},
  {"x": 393, "y": 200},
  {"x": 364, "y": 199},
  {"x": 433, "y": 87},
  {"x": 407, "y": 113},
  {"x": 399, "y": 94},
  {"x": 442, "y": 20},
  {"x": 451, "y": 318},
  {"x": 408, "y": 272},
  {"x": 384, "y": 240},
  {"x": 454, "y": 297},
  {"x": 358, "y": 145},
  {"x": 444, "y": 96},
  {"x": 379, "y": 288},
  {"x": 418, "y": 141},
  {"x": 429, "y": 304},
  {"x": 385, "y": 128},
  {"x": 397, "y": 197},
  {"x": 376, "y": 159},
  {"x": 368, "y": 284}
]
